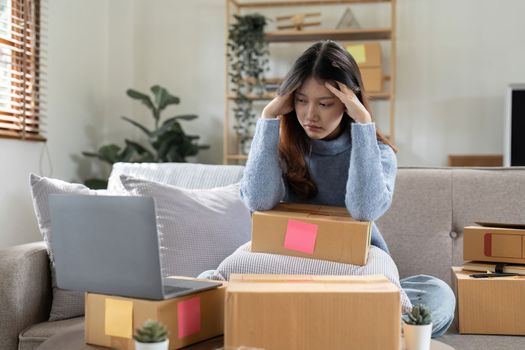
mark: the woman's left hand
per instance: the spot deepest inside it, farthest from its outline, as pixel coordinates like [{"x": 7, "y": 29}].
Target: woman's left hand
[{"x": 354, "y": 107}]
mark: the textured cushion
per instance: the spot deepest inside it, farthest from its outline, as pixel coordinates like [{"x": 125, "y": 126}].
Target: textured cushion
[
  {"x": 417, "y": 225},
  {"x": 187, "y": 175},
  {"x": 197, "y": 228},
  {"x": 35, "y": 335},
  {"x": 243, "y": 260},
  {"x": 65, "y": 303}
]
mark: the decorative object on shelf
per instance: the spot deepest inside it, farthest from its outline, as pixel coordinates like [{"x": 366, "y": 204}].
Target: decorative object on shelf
[
  {"x": 348, "y": 20},
  {"x": 298, "y": 22},
  {"x": 167, "y": 142},
  {"x": 417, "y": 328},
  {"x": 248, "y": 57},
  {"x": 153, "y": 335}
]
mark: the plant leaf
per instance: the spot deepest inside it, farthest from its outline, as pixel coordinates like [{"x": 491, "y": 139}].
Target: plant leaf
[
  {"x": 163, "y": 98},
  {"x": 185, "y": 117},
  {"x": 138, "y": 125},
  {"x": 134, "y": 94}
]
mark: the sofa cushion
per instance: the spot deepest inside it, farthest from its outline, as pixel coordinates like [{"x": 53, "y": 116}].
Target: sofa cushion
[
  {"x": 187, "y": 175},
  {"x": 65, "y": 303},
  {"x": 243, "y": 260},
  {"x": 417, "y": 225},
  {"x": 35, "y": 335},
  {"x": 197, "y": 228}
]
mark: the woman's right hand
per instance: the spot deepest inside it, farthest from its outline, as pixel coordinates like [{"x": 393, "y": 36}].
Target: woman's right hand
[{"x": 280, "y": 105}]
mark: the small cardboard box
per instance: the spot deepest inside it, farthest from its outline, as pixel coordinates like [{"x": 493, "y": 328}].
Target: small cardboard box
[
  {"x": 368, "y": 58},
  {"x": 490, "y": 305},
  {"x": 502, "y": 243},
  {"x": 276, "y": 312},
  {"x": 365, "y": 54},
  {"x": 111, "y": 321},
  {"x": 372, "y": 79},
  {"x": 311, "y": 231}
]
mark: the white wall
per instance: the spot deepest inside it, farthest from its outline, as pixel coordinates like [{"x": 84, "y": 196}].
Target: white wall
[
  {"x": 455, "y": 59},
  {"x": 75, "y": 95}
]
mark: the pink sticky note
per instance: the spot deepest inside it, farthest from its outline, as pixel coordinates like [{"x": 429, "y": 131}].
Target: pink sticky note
[
  {"x": 300, "y": 236},
  {"x": 189, "y": 317}
]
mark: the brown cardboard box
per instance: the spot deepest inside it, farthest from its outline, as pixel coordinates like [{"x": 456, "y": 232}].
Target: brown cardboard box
[
  {"x": 490, "y": 305},
  {"x": 276, "y": 312},
  {"x": 111, "y": 321},
  {"x": 498, "y": 244},
  {"x": 365, "y": 54},
  {"x": 311, "y": 231},
  {"x": 368, "y": 58},
  {"x": 372, "y": 79}
]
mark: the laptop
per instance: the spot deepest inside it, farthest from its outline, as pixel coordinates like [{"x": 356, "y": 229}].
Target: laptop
[{"x": 109, "y": 245}]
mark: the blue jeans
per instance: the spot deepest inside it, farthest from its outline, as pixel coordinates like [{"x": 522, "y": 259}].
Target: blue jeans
[
  {"x": 437, "y": 295},
  {"x": 422, "y": 289}
]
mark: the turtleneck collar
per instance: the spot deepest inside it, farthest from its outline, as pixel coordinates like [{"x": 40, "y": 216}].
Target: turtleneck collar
[{"x": 332, "y": 147}]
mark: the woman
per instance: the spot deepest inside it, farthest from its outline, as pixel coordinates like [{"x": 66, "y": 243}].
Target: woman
[{"x": 316, "y": 142}]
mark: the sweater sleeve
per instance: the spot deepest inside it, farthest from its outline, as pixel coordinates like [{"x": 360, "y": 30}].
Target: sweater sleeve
[
  {"x": 262, "y": 185},
  {"x": 372, "y": 174}
]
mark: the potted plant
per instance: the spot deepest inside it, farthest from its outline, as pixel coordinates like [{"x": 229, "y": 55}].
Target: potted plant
[
  {"x": 417, "y": 328},
  {"x": 167, "y": 141},
  {"x": 151, "y": 336},
  {"x": 248, "y": 56}
]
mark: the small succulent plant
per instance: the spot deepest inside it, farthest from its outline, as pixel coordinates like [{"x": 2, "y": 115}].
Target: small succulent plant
[
  {"x": 420, "y": 315},
  {"x": 151, "y": 332}
]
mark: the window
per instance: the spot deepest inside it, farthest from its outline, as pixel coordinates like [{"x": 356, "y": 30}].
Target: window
[{"x": 20, "y": 106}]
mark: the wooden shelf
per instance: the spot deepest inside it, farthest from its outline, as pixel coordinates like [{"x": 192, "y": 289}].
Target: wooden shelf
[
  {"x": 237, "y": 156},
  {"x": 267, "y": 97},
  {"x": 291, "y": 3},
  {"x": 332, "y": 34},
  {"x": 386, "y": 35}
]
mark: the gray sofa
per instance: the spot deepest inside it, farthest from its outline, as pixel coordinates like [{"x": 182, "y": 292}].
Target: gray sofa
[{"x": 423, "y": 229}]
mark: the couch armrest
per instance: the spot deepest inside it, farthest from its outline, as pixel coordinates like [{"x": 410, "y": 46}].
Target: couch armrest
[{"x": 25, "y": 290}]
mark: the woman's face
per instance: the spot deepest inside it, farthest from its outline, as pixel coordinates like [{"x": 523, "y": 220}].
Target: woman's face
[{"x": 318, "y": 110}]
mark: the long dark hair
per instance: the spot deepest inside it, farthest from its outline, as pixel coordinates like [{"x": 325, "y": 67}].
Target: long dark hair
[{"x": 325, "y": 61}]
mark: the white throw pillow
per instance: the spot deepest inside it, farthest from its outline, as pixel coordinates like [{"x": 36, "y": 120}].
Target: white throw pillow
[
  {"x": 198, "y": 228},
  {"x": 66, "y": 304}
]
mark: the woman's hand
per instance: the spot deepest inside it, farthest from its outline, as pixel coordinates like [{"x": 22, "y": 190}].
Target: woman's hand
[
  {"x": 279, "y": 106},
  {"x": 354, "y": 107}
]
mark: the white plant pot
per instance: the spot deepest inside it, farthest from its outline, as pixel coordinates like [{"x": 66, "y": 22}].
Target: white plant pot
[
  {"x": 417, "y": 337},
  {"x": 152, "y": 346}
]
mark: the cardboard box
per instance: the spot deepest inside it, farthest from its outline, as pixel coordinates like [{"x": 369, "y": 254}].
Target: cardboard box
[
  {"x": 276, "y": 312},
  {"x": 111, "y": 321},
  {"x": 372, "y": 79},
  {"x": 365, "y": 54},
  {"x": 490, "y": 305},
  {"x": 493, "y": 243},
  {"x": 311, "y": 231},
  {"x": 368, "y": 58}
]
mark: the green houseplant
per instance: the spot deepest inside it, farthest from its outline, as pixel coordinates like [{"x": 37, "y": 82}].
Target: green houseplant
[
  {"x": 248, "y": 57},
  {"x": 151, "y": 336},
  {"x": 167, "y": 141},
  {"x": 417, "y": 328}
]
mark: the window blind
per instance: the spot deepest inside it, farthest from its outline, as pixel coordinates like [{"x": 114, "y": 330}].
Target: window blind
[{"x": 20, "y": 105}]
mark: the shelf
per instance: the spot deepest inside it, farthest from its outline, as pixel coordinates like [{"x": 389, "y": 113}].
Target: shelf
[
  {"x": 331, "y": 34},
  {"x": 291, "y": 3},
  {"x": 265, "y": 97},
  {"x": 268, "y": 97},
  {"x": 237, "y": 156}
]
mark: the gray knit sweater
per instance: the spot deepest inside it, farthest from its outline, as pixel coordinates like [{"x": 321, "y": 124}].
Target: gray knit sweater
[{"x": 353, "y": 171}]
